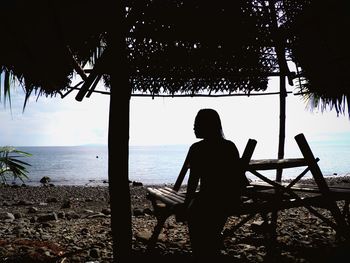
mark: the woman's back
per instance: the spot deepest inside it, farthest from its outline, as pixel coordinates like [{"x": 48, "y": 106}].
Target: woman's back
[{"x": 217, "y": 165}]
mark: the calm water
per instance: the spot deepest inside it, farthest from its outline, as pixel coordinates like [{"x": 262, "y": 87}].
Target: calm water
[
  {"x": 67, "y": 165},
  {"x": 148, "y": 164}
]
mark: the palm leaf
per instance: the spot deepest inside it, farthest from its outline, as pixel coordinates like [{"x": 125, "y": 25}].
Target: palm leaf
[
  {"x": 10, "y": 165},
  {"x": 10, "y": 149}
]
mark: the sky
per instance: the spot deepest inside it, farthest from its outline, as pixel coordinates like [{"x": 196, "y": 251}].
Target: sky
[{"x": 52, "y": 121}]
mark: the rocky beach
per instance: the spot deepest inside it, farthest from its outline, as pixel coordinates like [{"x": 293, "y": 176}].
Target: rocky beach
[{"x": 72, "y": 224}]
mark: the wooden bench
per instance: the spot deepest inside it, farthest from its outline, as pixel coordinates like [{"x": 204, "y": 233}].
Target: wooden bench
[{"x": 266, "y": 196}]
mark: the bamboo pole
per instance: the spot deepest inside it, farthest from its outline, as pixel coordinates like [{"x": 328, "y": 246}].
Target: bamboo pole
[
  {"x": 282, "y": 125},
  {"x": 279, "y": 44}
]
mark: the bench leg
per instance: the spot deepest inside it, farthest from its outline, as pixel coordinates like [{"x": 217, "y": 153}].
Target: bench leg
[
  {"x": 342, "y": 225},
  {"x": 156, "y": 231}
]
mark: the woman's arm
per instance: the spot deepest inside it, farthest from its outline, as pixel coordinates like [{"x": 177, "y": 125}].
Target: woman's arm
[{"x": 192, "y": 185}]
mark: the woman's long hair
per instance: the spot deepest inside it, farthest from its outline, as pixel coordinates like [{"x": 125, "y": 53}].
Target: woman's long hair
[{"x": 208, "y": 124}]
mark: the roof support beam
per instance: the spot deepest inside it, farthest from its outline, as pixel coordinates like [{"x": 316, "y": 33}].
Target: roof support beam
[{"x": 207, "y": 95}]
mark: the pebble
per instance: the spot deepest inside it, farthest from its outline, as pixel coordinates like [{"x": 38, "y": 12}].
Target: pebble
[
  {"x": 80, "y": 227},
  {"x": 47, "y": 217},
  {"x": 6, "y": 216},
  {"x": 94, "y": 253},
  {"x": 106, "y": 211},
  {"x": 32, "y": 210},
  {"x": 52, "y": 200},
  {"x": 66, "y": 204}
]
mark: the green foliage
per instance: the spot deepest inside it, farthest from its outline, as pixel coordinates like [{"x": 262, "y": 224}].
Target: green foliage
[{"x": 11, "y": 166}]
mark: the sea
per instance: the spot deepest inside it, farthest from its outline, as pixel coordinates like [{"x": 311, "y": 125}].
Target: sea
[{"x": 88, "y": 165}]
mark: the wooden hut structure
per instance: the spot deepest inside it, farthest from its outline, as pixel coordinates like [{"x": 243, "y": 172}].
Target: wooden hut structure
[{"x": 155, "y": 47}]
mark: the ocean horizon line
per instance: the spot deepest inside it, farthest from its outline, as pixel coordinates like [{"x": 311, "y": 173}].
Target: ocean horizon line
[
  {"x": 78, "y": 145},
  {"x": 101, "y": 145},
  {"x": 335, "y": 140}
]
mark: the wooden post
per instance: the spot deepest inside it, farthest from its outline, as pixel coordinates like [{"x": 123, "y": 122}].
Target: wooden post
[
  {"x": 118, "y": 137},
  {"x": 282, "y": 125},
  {"x": 118, "y": 168}
]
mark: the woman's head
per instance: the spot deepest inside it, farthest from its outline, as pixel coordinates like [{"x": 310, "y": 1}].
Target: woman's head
[{"x": 207, "y": 124}]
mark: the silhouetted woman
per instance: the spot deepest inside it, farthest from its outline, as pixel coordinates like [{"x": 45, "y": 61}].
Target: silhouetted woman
[{"x": 215, "y": 170}]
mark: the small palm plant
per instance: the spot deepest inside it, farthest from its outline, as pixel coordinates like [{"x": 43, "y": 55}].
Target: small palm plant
[{"x": 11, "y": 166}]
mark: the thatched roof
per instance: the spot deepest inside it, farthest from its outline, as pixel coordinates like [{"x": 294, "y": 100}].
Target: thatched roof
[
  {"x": 319, "y": 44},
  {"x": 41, "y": 38},
  {"x": 176, "y": 46}
]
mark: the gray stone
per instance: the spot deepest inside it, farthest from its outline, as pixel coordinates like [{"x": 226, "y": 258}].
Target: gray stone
[
  {"x": 18, "y": 230},
  {"x": 72, "y": 215},
  {"x": 61, "y": 214},
  {"x": 18, "y": 215},
  {"x": 97, "y": 215},
  {"x": 89, "y": 211},
  {"x": 6, "y": 216},
  {"x": 143, "y": 235},
  {"x": 24, "y": 202},
  {"x": 46, "y": 225},
  {"x": 138, "y": 212},
  {"x": 84, "y": 231},
  {"x": 148, "y": 211},
  {"x": 94, "y": 253},
  {"x": 66, "y": 204},
  {"x": 52, "y": 200},
  {"x": 32, "y": 210},
  {"x": 47, "y": 217},
  {"x": 106, "y": 211},
  {"x": 45, "y": 180}
]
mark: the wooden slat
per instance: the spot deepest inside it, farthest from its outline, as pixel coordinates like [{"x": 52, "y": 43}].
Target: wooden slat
[
  {"x": 181, "y": 195},
  {"x": 160, "y": 196},
  {"x": 337, "y": 193},
  {"x": 270, "y": 164},
  {"x": 171, "y": 195}
]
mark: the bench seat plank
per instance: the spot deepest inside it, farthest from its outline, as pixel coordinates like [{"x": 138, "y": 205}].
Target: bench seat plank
[
  {"x": 166, "y": 195},
  {"x": 335, "y": 191},
  {"x": 172, "y": 195},
  {"x": 156, "y": 194},
  {"x": 271, "y": 164}
]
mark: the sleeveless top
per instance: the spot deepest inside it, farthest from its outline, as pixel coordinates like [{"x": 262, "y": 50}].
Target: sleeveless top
[{"x": 216, "y": 163}]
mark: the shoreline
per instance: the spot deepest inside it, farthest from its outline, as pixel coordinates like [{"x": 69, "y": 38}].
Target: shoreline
[
  {"x": 43, "y": 222},
  {"x": 331, "y": 180},
  {"x": 99, "y": 182}
]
